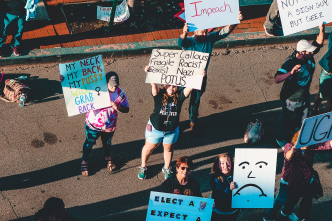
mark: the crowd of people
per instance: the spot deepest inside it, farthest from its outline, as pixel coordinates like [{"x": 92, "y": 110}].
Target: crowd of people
[{"x": 163, "y": 124}]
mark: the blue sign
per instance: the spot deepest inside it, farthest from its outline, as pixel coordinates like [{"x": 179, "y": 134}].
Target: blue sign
[{"x": 166, "y": 206}]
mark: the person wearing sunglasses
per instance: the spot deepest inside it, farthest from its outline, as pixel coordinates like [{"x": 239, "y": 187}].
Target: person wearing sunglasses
[
  {"x": 222, "y": 185},
  {"x": 182, "y": 183}
]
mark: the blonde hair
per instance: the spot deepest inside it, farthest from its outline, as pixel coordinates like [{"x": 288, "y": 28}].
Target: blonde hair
[{"x": 215, "y": 166}]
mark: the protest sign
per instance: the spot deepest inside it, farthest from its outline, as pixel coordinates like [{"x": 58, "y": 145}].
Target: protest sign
[
  {"x": 177, "y": 67},
  {"x": 121, "y": 13},
  {"x": 84, "y": 85},
  {"x": 205, "y": 14},
  {"x": 300, "y": 15},
  {"x": 315, "y": 130},
  {"x": 254, "y": 175},
  {"x": 166, "y": 206}
]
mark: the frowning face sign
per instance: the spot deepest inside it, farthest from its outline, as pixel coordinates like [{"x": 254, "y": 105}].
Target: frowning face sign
[{"x": 254, "y": 174}]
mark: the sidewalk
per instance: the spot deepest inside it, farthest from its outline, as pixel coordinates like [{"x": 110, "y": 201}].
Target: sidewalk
[{"x": 50, "y": 40}]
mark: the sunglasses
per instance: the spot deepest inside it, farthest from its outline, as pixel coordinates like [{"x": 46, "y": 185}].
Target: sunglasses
[{"x": 184, "y": 168}]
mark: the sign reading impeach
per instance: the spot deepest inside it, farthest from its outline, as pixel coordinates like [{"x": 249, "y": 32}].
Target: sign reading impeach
[
  {"x": 177, "y": 67},
  {"x": 315, "y": 130},
  {"x": 300, "y": 15}
]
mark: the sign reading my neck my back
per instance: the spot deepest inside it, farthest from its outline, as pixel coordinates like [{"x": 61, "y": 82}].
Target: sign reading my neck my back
[
  {"x": 315, "y": 130},
  {"x": 177, "y": 67},
  {"x": 84, "y": 85},
  {"x": 166, "y": 206}
]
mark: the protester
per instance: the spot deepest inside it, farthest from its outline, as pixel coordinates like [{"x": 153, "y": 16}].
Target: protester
[
  {"x": 297, "y": 73},
  {"x": 163, "y": 125},
  {"x": 15, "y": 10},
  {"x": 325, "y": 81},
  {"x": 182, "y": 183},
  {"x": 202, "y": 42},
  {"x": 296, "y": 178},
  {"x": 271, "y": 19},
  {"x": 222, "y": 185},
  {"x": 102, "y": 123},
  {"x": 54, "y": 210}
]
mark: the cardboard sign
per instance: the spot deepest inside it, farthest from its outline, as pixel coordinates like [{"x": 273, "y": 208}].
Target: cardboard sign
[
  {"x": 300, "y": 15},
  {"x": 177, "y": 67},
  {"x": 205, "y": 14},
  {"x": 254, "y": 175},
  {"x": 84, "y": 86},
  {"x": 166, "y": 206},
  {"x": 121, "y": 13},
  {"x": 315, "y": 130}
]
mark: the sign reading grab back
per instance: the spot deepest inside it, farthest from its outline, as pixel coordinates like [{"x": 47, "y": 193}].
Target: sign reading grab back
[
  {"x": 300, "y": 15},
  {"x": 166, "y": 206},
  {"x": 84, "y": 85},
  {"x": 205, "y": 14}
]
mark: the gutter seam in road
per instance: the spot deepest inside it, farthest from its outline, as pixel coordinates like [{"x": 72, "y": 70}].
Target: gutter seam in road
[{"x": 10, "y": 204}]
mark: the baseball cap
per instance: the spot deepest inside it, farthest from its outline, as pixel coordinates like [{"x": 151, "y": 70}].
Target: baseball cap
[
  {"x": 113, "y": 79},
  {"x": 305, "y": 45}
]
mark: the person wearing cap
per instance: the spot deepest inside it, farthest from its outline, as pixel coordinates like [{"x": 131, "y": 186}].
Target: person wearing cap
[
  {"x": 102, "y": 123},
  {"x": 325, "y": 82},
  {"x": 202, "y": 41},
  {"x": 296, "y": 73}
]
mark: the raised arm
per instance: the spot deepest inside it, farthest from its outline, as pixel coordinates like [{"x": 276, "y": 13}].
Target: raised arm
[
  {"x": 320, "y": 36},
  {"x": 155, "y": 87},
  {"x": 185, "y": 31}
]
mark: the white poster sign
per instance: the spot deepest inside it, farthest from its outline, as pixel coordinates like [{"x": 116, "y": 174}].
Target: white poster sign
[
  {"x": 205, "y": 14},
  {"x": 254, "y": 175},
  {"x": 300, "y": 15},
  {"x": 177, "y": 67},
  {"x": 166, "y": 206},
  {"x": 315, "y": 130},
  {"x": 121, "y": 13},
  {"x": 84, "y": 85}
]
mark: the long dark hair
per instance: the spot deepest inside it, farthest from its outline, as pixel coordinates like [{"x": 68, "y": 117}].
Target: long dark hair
[{"x": 215, "y": 166}]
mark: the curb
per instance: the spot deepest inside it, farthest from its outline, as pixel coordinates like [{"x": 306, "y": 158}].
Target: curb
[{"x": 143, "y": 48}]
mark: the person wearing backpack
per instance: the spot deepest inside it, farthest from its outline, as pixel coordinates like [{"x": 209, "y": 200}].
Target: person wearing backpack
[{"x": 296, "y": 73}]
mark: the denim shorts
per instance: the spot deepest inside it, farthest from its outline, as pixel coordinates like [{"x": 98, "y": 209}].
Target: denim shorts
[
  {"x": 325, "y": 85},
  {"x": 155, "y": 136}
]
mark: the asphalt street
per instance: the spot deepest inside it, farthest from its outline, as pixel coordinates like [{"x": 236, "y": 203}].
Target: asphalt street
[{"x": 41, "y": 146}]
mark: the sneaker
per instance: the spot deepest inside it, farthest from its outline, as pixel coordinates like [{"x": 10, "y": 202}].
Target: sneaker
[
  {"x": 141, "y": 173},
  {"x": 16, "y": 51},
  {"x": 281, "y": 143},
  {"x": 269, "y": 31},
  {"x": 192, "y": 126},
  {"x": 168, "y": 172},
  {"x": 291, "y": 217},
  {"x": 264, "y": 219}
]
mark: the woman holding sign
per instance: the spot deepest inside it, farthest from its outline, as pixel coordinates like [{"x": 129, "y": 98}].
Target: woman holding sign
[
  {"x": 163, "y": 125},
  {"x": 296, "y": 182},
  {"x": 222, "y": 185}
]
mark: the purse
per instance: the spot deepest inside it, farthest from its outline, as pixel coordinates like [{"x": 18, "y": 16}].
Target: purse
[
  {"x": 316, "y": 186},
  {"x": 13, "y": 89}
]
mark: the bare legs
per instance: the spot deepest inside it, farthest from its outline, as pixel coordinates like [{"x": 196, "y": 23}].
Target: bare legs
[{"x": 150, "y": 147}]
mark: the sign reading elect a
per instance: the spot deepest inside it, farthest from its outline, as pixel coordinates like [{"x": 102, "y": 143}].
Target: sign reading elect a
[
  {"x": 315, "y": 130},
  {"x": 205, "y": 14},
  {"x": 167, "y": 206},
  {"x": 300, "y": 15}
]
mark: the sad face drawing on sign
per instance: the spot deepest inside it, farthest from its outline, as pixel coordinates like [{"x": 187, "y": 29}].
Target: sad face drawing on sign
[{"x": 254, "y": 171}]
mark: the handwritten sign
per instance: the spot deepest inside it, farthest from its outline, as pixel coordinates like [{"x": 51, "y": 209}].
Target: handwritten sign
[
  {"x": 177, "y": 67},
  {"x": 254, "y": 174},
  {"x": 315, "y": 130},
  {"x": 84, "y": 86},
  {"x": 205, "y": 14},
  {"x": 166, "y": 206},
  {"x": 299, "y": 15},
  {"x": 121, "y": 13}
]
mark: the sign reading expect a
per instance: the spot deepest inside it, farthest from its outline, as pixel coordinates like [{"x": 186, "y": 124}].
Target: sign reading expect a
[
  {"x": 315, "y": 130},
  {"x": 177, "y": 67},
  {"x": 166, "y": 206},
  {"x": 300, "y": 15},
  {"x": 205, "y": 14},
  {"x": 84, "y": 86}
]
